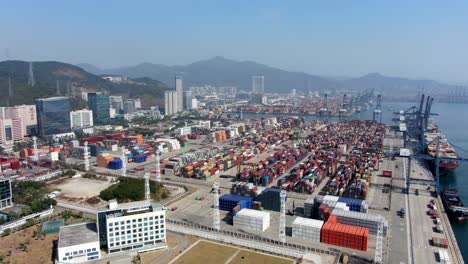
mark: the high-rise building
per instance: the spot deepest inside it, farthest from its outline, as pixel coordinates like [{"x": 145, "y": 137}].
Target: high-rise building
[
  {"x": 82, "y": 120},
  {"x": 53, "y": 115},
  {"x": 6, "y": 195},
  {"x": 131, "y": 226},
  {"x": 129, "y": 106},
  {"x": 99, "y": 104},
  {"x": 170, "y": 102},
  {"x": 27, "y": 115},
  {"x": 11, "y": 130},
  {"x": 116, "y": 102},
  {"x": 188, "y": 100},
  {"x": 258, "y": 84},
  {"x": 180, "y": 93}
]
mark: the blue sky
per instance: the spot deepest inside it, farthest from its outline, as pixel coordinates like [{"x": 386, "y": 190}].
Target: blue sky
[{"x": 416, "y": 39}]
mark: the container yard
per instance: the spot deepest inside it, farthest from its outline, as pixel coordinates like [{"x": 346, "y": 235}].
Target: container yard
[{"x": 336, "y": 176}]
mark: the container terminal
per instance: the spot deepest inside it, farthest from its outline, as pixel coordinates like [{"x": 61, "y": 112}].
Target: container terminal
[
  {"x": 316, "y": 191},
  {"x": 354, "y": 188}
]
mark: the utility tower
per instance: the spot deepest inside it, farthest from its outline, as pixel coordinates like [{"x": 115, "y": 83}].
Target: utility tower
[
  {"x": 216, "y": 221},
  {"x": 31, "y": 80},
  {"x": 378, "y": 110},
  {"x": 282, "y": 223},
  {"x": 86, "y": 156},
  {"x": 36, "y": 155},
  {"x": 158, "y": 166},
  {"x": 124, "y": 162},
  {"x": 10, "y": 91},
  {"x": 379, "y": 244},
  {"x": 147, "y": 187}
]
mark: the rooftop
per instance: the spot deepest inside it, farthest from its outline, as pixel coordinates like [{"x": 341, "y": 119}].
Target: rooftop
[
  {"x": 77, "y": 234},
  {"x": 116, "y": 210},
  {"x": 252, "y": 213}
]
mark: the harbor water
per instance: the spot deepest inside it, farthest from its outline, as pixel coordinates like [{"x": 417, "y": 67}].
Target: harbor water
[{"x": 452, "y": 121}]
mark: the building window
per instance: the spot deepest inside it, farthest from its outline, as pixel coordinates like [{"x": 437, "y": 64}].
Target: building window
[
  {"x": 140, "y": 239},
  {"x": 145, "y": 219},
  {"x": 134, "y": 240},
  {"x": 146, "y": 224},
  {"x": 151, "y": 233},
  {"x": 129, "y": 241},
  {"x": 134, "y": 221},
  {"x": 94, "y": 249},
  {"x": 134, "y": 226},
  {"x": 128, "y": 231},
  {"x": 117, "y": 244},
  {"x": 129, "y": 226},
  {"x": 111, "y": 234},
  {"x": 151, "y": 223},
  {"x": 146, "y": 238},
  {"x": 111, "y": 240},
  {"x": 139, "y": 229},
  {"x": 122, "y": 222},
  {"x": 111, "y": 224},
  {"x": 146, "y": 229},
  {"x": 65, "y": 258},
  {"x": 152, "y": 237},
  {"x": 111, "y": 229},
  {"x": 116, "y": 228},
  {"x": 123, "y": 242},
  {"x": 111, "y": 244},
  {"x": 88, "y": 250},
  {"x": 116, "y": 223},
  {"x": 139, "y": 225},
  {"x": 151, "y": 218},
  {"x": 67, "y": 254}
]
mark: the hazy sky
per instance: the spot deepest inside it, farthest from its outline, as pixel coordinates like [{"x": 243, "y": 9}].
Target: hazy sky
[{"x": 336, "y": 38}]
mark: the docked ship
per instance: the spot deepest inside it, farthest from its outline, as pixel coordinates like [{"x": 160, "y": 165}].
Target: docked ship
[
  {"x": 446, "y": 150},
  {"x": 454, "y": 205}
]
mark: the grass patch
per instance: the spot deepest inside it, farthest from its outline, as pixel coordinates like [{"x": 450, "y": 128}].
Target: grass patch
[{"x": 130, "y": 189}]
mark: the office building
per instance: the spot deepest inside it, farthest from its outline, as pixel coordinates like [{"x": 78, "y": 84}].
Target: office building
[
  {"x": 99, "y": 104},
  {"x": 78, "y": 243},
  {"x": 258, "y": 84},
  {"x": 25, "y": 113},
  {"x": 6, "y": 195},
  {"x": 53, "y": 116},
  {"x": 188, "y": 100},
  {"x": 82, "y": 120},
  {"x": 116, "y": 102},
  {"x": 129, "y": 106},
  {"x": 180, "y": 93},
  {"x": 170, "y": 102},
  {"x": 128, "y": 226}
]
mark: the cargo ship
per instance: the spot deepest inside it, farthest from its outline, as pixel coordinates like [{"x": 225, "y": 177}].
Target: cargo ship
[
  {"x": 454, "y": 205},
  {"x": 446, "y": 150}
]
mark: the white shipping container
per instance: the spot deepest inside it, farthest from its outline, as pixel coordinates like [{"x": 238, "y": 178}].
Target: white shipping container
[
  {"x": 252, "y": 219},
  {"x": 307, "y": 229}
]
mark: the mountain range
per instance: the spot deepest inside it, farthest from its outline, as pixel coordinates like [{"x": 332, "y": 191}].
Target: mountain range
[
  {"x": 220, "y": 71},
  {"x": 57, "y": 78}
]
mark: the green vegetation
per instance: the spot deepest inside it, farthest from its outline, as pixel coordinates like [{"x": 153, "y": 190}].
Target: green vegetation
[
  {"x": 129, "y": 189},
  {"x": 94, "y": 177},
  {"x": 32, "y": 194},
  {"x": 69, "y": 173},
  {"x": 69, "y": 77}
]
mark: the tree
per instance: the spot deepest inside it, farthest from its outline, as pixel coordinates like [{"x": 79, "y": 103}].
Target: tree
[{"x": 6, "y": 232}]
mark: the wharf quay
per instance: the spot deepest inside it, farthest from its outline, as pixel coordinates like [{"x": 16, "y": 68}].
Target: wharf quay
[{"x": 410, "y": 239}]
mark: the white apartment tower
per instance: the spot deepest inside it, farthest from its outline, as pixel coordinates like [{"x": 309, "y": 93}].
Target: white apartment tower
[
  {"x": 171, "y": 105},
  {"x": 258, "y": 84},
  {"x": 180, "y": 93}
]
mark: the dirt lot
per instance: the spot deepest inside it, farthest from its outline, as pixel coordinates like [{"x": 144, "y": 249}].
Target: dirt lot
[
  {"x": 213, "y": 253},
  {"x": 22, "y": 247},
  {"x": 80, "y": 188}
]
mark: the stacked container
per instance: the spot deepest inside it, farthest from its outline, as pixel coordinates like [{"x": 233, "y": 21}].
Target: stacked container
[
  {"x": 307, "y": 229},
  {"x": 343, "y": 235},
  {"x": 252, "y": 219},
  {"x": 369, "y": 221},
  {"x": 270, "y": 199},
  {"x": 228, "y": 201}
]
